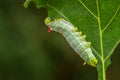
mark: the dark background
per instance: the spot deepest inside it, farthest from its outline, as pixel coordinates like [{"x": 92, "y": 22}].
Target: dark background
[{"x": 29, "y": 52}]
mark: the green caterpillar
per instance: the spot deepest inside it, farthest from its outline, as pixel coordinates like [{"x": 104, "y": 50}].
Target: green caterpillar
[{"x": 74, "y": 38}]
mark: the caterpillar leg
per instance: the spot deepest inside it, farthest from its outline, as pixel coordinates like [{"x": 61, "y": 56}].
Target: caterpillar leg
[{"x": 84, "y": 63}]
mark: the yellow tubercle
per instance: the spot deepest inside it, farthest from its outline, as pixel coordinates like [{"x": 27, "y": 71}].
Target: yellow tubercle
[
  {"x": 89, "y": 44},
  {"x": 55, "y": 19},
  {"x": 60, "y": 19},
  {"x": 95, "y": 61},
  {"x": 47, "y": 20},
  {"x": 75, "y": 29},
  {"x": 80, "y": 33},
  {"x": 84, "y": 36}
]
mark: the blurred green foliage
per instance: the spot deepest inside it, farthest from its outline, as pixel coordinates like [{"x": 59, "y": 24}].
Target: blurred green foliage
[{"x": 29, "y": 52}]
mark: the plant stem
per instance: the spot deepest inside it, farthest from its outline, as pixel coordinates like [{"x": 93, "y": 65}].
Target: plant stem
[{"x": 101, "y": 71}]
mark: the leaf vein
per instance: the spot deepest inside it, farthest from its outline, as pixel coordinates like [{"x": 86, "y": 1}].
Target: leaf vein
[
  {"x": 96, "y": 52},
  {"x": 111, "y": 19},
  {"x": 58, "y": 12},
  {"x": 88, "y": 9},
  {"x": 112, "y": 50}
]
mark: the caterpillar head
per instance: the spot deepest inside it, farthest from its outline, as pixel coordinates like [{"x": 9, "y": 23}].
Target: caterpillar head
[{"x": 47, "y": 22}]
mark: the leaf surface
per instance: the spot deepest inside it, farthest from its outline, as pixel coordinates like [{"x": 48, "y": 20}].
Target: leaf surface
[{"x": 98, "y": 19}]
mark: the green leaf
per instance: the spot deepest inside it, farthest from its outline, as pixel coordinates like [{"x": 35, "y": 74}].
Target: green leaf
[{"x": 98, "y": 19}]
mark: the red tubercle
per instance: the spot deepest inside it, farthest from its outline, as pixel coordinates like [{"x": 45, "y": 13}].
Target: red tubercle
[{"x": 49, "y": 30}]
